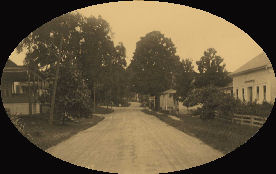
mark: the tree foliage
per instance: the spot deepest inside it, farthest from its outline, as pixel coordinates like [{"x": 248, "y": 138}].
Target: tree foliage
[
  {"x": 213, "y": 100},
  {"x": 88, "y": 56},
  {"x": 154, "y": 64},
  {"x": 211, "y": 70},
  {"x": 73, "y": 93},
  {"x": 184, "y": 79},
  {"x": 102, "y": 62},
  {"x": 216, "y": 102}
]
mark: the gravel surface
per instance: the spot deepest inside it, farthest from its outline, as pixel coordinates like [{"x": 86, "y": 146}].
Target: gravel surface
[{"x": 130, "y": 141}]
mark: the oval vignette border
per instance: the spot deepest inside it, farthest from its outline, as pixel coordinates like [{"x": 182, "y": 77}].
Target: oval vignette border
[{"x": 51, "y": 11}]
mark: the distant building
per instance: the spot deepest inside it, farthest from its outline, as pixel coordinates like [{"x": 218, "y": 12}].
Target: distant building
[
  {"x": 152, "y": 102},
  {"x": 135, "y": 97},
  {"x": 20, "y": 89},
  {"x": 255, "y": 80},
  {"x": 168, "y": 101},
  {"x": 228, "y": 89}
]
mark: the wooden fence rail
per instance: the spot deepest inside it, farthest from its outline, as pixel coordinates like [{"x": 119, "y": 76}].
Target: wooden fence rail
[{"x": 250, "y": 120}]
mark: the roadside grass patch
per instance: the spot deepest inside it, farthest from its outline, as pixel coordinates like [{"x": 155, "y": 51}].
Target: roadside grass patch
[
  {"x": 103, "y": 110},
  {"x": 39, "y": 132},
  {"x": 219, "y": 134}
]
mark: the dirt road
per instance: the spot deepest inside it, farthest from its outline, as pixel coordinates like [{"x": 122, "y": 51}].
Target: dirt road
[{"x": 130, "y": 141}]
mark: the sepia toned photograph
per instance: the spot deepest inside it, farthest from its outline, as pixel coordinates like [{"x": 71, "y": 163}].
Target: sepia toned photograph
[{"x": 138, "y": 87}]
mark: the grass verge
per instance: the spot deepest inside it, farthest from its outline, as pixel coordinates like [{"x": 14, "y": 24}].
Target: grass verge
[
  {"x": 38, "y": 131},
  {"x": 219, "y": 134},
  {"x": 103, "y": 110}
]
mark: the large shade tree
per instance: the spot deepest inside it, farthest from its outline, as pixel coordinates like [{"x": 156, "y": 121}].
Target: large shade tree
[
  {"x": 96, "y": 48},
  {"x": 75, "y": 52},
  {"x": 211, "y": 70},
  {"x": 154, "y": 64},
  {"x": 212, "y": 75},
  {"x": 101, "y": 60},
  {"x": 54, "y": 44},
  {"x": 119, "y": 80}
]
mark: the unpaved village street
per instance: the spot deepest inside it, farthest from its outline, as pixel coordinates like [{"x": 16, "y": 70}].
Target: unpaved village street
[{"x": 130, "y": 141}]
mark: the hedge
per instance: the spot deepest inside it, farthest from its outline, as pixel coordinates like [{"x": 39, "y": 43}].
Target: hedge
[{"x": 253, "y": 108}]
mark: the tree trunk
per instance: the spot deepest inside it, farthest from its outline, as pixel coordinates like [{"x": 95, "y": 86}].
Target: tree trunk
[
  {"x": 51, "y": 118},
  {"x": 63, "y": 119},
  {"x": 94, "y": 92},
  {"x": 105, "y": 100},
  {"x": 29, "y": 93}
]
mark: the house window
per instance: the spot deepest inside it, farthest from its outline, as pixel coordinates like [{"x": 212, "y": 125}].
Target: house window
[
  {"x": 258, "y": 92},
  {"x": 264, "y": 93},
  {"x": 17, "y": 88},
  {"x": 237, "y": 93},
  {"x": 243, "y": 99}
]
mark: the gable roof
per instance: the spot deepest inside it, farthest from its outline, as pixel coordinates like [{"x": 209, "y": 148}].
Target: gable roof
[
  {"x": 14, "y": 72},
  {"x": 259, "y": 62}
]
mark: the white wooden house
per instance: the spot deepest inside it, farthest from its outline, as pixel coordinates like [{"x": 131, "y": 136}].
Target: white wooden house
[{"x": 255, "y": 80}]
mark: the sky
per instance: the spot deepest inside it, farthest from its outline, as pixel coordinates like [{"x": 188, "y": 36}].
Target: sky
[{"x": 192, "y": 30}]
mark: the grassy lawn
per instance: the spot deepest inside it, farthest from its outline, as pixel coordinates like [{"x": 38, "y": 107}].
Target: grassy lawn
[
  {"x": 219, "y": 134},
  {"x": 39, "y": 132}
]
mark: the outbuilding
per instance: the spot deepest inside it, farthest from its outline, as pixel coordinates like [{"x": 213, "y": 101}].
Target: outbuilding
[{"x": 168, "y": 101}]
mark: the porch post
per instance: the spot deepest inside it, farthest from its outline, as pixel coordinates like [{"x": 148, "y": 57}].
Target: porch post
[
  {"x": 154, "y": 102},
  {"x": 29, "y": 92}
]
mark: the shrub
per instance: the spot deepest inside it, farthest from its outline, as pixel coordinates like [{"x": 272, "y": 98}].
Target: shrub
[
  {"x": 196, "y": 111},
  {"x": 226, "y": 106},
  {"x": 19, "y": 125},
  {"x": 253, "y": 108},
  {"x": 214, "y": 102},
  {"x": 193, "y": 98}
]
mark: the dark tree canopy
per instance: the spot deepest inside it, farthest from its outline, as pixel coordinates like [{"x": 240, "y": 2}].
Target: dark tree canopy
[
  {"x": 87, "y": 57},
  {"x": 184, "y": 79},
  {"x": 211, "y": 70},
  {"x": 58, "y": 42},
  {"x": 43, "y": 44},
  {"x": 154, "y": 64}
]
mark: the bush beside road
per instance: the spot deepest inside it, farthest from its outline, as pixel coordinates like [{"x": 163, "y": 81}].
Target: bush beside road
[{"x": 38, "y": 131}]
